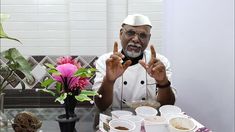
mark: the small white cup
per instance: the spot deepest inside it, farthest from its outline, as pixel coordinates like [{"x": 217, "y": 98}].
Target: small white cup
[
  {"x": 117, "y": 113},
  {"x": 169, "y": 109},
  {"x": 170, "y": 116},
  {"x": 181, "y": 124},
  {"x": 136, "y": 119},
  {"x": 146, "y": 111},
  {"x": 116, "y": 124},
  {"x": 156, "y": 123}
]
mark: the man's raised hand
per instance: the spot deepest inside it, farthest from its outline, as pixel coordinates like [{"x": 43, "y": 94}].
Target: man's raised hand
[
  {"x": 155, "y": 68},
  {"x": 114, "y": 66}
]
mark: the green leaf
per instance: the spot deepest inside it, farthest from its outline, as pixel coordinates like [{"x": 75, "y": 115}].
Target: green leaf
[
  {"x": 89, "y": 93},
  {"x": 10, "y": 54},
  {"x": 92, "y": 69},
  {"x": 82, "y": 97},
  {"x": 50, "y": 66},
  {"x": 83, "y": 72},
  {"x": 27, "y": 74},
  {"x": 47, "y": 82},
  {"x": 62, "y": 97},
  {"x": 47, "y": 91},
  {"x": 3, "y": 35},
  {"x": 15, "y": 57},
  {"x": 23, "y": 63},
  {"x": 58, "y": 87},
  {"x": 80, "y": 72},
  {"x": 54, "y": 71},
  {"x": 18, "y": 62}
]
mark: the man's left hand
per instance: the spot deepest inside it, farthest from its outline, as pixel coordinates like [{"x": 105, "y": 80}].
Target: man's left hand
[{"x": 155, "y": 68}]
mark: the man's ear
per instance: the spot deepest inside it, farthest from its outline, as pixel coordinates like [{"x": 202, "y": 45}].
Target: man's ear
[{"x": 120, "y": 33}]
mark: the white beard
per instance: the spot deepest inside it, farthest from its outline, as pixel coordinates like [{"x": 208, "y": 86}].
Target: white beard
[{"x": 133, "y": 54}]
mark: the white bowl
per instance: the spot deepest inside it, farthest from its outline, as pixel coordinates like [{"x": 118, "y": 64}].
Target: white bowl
[
  {"x": 136, "y": 119},
  {"x": 169, "y": 109},
  {"x": 170, "y": 116},
  {"x": 117, "y": 113},
  {"x": 146, "y": 111},
  {"x": 116, "y": 124},
  {"x": 159, "y": 123},
  {"x": 181, "y": 124}
]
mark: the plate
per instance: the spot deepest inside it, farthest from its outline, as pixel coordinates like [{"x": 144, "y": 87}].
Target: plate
[{"x": 137, "y": 103}]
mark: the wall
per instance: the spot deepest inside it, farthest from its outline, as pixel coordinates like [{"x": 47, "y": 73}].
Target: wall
[
  {"x": 56, "y": 27},
  {"x": 75, "y": 27},
  {"x": 199, "y": 41}
]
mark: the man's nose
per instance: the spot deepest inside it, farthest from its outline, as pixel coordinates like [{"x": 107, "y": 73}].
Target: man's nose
[{"x": 136, "y": 38}]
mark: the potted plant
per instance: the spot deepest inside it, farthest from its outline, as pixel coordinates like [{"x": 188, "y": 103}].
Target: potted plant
[
  {"x": 15, "y": 62},
  {"x": 69, "y": 80}
]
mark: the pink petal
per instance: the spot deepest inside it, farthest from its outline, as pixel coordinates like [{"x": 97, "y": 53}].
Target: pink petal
[{"x": 67, "y": 70}]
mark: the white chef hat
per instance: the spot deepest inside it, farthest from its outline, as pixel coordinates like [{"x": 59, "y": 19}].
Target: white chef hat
[{"x": 137, "y": 20}]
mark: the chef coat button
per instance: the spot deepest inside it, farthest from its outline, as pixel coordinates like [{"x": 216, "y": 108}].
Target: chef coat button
[
  {"x": 143, "y": 98},
  {"x": 124, "y": 101},
  {"x": 125, "y": 82},
  {"x": 142, "y": 82}
]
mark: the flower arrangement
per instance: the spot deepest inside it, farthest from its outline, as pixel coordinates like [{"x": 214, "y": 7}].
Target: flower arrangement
[{"x": 69, "y": 79}]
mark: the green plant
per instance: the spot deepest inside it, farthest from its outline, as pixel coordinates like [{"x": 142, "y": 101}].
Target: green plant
[{"x": 15, "y": 62}]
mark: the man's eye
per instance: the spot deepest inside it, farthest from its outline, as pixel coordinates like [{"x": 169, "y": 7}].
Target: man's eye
[
  {"x": 143, "y": 35},
  {"x": 131, "y": 33}
]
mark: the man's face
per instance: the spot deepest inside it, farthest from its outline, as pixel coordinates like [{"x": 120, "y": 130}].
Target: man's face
[{"x": 134, "y": 39}]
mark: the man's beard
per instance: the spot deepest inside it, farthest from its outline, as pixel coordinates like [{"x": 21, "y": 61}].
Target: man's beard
[{"x": 132, "y": 53}]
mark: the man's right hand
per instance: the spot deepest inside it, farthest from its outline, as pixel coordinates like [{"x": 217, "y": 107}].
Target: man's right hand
[{"x": 114, "y": 66}]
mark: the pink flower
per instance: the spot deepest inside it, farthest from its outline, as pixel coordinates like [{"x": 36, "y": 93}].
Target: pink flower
[
  {"x": 80, "y": 83},
  {"x": 68, "y": 79},
  {"x": 67, "y": 70},
  {"x": 71, "y": 80},
  {"x": 68, "y": 59},
  {"x": 67, "y": 74}
]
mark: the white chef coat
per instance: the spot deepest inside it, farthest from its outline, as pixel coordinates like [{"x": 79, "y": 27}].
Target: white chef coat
[{"x": 134, "y": 84}]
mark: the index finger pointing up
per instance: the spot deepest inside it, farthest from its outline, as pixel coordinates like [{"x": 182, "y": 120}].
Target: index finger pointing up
[
  {"x": 153, "y": 52},
  {"x": 115, "y": 47}
]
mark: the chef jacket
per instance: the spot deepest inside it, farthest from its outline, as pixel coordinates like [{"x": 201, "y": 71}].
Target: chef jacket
[{"x": 134, "y": 84}]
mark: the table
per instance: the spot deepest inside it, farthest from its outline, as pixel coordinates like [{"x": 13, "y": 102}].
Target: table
[
  {"x": 87, "y": 123},
  {"x": 48, "y": 115}
]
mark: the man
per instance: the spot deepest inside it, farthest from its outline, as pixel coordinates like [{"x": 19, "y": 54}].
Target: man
[{"x": 133, "y": 73}]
